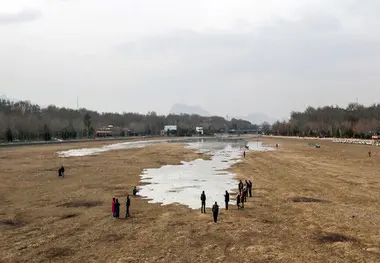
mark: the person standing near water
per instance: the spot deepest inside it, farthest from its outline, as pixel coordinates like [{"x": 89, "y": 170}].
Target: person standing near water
[
  {"x": 240, "y": 186},
  {"x": 226, "y": 199},
  {"x": 215, "y": 211},
  {"x": 203, "y": 199},
  {"x": 117, "y": 208},
  {"x": 113, "y": 207},
  {"x": 238, "y": 201},
  {"x": 246, "y": 186},
  {"x": 127, "y": 205},
  {"x": 135, "y": 191},
  {"x": 244, "y": 154},
  {"x": 242, "y": 199},
  {"x": 250, "y": 188}
]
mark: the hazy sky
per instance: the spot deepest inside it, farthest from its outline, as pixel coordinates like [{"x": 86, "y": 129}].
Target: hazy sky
[{"x": 230, "y": 57}]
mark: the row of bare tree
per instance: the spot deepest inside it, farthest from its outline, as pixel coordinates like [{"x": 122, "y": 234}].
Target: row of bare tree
[
  {"x": 354, "y": 121},
  {"x": 25, "y": 121}
]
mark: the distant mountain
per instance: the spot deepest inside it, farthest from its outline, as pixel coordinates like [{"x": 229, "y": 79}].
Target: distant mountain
[
  {"x": 256, "y": 118},
  {"x": 186, "y": 109}
]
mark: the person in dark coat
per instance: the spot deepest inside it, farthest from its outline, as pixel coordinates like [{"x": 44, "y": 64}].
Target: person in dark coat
[
  {"x": 61, "y": 172},
  {"x": 203, "y": 200},
  {"x": 238, "y": 200},
  {"x": 117, "y": 208},
  {"x": 240, "y": 186},
  {"x": 127, "y": 205},
  {"x": 226, "y": 199},
  {"x": 215, "y": 211},
  {"x": 250, "y": 188},
  {"x": 113, "y": 207},
  {"x": 135, "y": 191},
  {"x": 244, "y": 154}
]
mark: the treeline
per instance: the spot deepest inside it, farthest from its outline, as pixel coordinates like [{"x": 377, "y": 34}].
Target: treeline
[
  {"x": 24, "y": 121},
  {"x": 354, "y": 121}
]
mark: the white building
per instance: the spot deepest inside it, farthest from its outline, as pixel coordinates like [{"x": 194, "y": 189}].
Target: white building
[
  {"x": 199, "y": 130},
  {"x": 170, "y": 128}
]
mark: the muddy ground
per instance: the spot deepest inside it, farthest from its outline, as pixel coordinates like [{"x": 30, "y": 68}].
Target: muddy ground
[{"x": 309, "y": 205}]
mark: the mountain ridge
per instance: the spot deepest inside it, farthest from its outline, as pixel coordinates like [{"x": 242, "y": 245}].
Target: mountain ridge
[
  {"x": 254, "y": 118},
  {"x": 179, "y": 108}
]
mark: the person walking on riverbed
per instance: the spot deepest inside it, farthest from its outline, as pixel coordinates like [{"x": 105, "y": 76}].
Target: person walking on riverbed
[
  {"x": 240, "y": 186},
  {"x": 203, "y": 200},
  {"x": 250, "y": 188},
  {"x": 246, "y": 185},
  {"x": 242, "y": 199},
  {"x": 127, "y": 205},
  {"x": 117, "y": 208},
  {"x": 226, "y": 199},
  {"x": 113, "y": 207},
  {"x": 61, "y": 172},
  {"x": 215, "y": 212}
]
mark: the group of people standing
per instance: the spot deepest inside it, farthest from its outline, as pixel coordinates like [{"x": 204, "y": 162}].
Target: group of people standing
[
  {"x": 245, "y": 190},
  {"x": 116, "y": 207}
]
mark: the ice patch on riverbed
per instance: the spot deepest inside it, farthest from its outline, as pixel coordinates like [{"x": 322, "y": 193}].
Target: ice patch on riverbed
[
  {"x": 184, "y": 183},
  {"x": 95, "y": 151},
  {"x": 111, "y": 147}
]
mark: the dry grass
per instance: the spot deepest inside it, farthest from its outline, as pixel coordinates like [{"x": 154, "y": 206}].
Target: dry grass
[{"x": 309, "y": 205}]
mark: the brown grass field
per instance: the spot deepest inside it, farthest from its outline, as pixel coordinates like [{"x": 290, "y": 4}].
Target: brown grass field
[{"x": 309, "y": 205}]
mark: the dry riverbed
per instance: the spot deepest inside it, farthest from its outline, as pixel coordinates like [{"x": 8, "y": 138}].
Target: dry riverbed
[{"x": 309, "y": 205}]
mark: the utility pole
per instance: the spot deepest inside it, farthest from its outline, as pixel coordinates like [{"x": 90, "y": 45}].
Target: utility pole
[{"x": 77, "y": 103}]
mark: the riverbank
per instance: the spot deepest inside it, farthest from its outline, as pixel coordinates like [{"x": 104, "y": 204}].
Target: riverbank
[{"x": 327, "y": 197}]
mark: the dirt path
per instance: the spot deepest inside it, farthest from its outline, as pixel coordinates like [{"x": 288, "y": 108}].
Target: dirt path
[{"x": 43, "y": 218}]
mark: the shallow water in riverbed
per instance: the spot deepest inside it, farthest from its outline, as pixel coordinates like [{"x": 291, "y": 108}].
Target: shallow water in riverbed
[
  {"x": 183, "y": 184},
  {"x": 140, "y": 144}
]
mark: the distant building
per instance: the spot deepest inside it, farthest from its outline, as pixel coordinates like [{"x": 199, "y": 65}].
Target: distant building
[
  {"x": 170, "y": 128},
  {"x": 108, "y": 131},
  {"x": 199, "y": 130}
]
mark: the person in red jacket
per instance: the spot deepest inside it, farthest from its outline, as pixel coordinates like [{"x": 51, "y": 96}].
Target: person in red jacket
[
  {"x": 242, "y": 199},
  {"x": 113, "y": 207}
]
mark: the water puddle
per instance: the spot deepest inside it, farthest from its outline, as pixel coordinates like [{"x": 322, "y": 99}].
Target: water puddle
[{"x": 184, "y": 183}]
